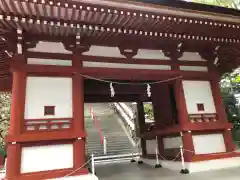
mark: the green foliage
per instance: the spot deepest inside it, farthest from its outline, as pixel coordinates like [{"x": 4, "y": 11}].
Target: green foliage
[
  {"x": 148, "y": 109},
  {"x": 5, "y": 99},
  {"x": 230, "y": 85},
  {"x": 225, "y": 3}
]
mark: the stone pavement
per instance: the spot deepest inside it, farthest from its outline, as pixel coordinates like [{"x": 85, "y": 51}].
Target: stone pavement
[{"x": 133, "y": 171}]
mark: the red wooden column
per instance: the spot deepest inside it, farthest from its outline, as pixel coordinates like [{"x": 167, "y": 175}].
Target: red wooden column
[
  {"x": 78, "y": 113},
  {"x": 181, "y": 103},
  {"x": 220, "y": 109},
  {"x": 183, "y": 119},
  {"x": 141, "y": 121},
  {"x": 13, "y": 161},
  {"x": 16, "y": 116},
  {"x": 221, "y": 112}
]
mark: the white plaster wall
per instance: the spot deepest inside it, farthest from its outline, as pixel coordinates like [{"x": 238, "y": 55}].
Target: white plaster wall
[
  {"x": 208, "y": 143},
  {"x": 81, "y": 177},
  {"x": 191, "y": 56},
  {"x": 125, "y": 66},
  {"x": 51, "y": 47},
  {"x": 48, "y": 91},
  {"x": 194, "y": 68},
  {"x": 216, "y": 164},
  {"x": 172, "y": 142},
  {"x": 150, "y": 54},
  {"x": 198, "y": 92},
  {"x": 49, "y": 62},
  {"x": 197, "y": 166},
  {"x": 44, "y": 158},
  {"x": 151, "y": 146},
  {"x": 104, "y": 51}
]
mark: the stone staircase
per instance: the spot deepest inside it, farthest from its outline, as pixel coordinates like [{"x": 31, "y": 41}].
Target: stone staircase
[{"x": 112, "y": 128}]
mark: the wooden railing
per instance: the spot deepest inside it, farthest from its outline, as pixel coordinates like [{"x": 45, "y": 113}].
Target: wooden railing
[
  {"x": 47, "y": 124},
  {"x": 199, "y": 118}
]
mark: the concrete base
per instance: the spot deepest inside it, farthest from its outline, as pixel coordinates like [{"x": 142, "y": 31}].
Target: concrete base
[
  {"x": 82, "y": 177},
  {"x": 197, "y": 166}
]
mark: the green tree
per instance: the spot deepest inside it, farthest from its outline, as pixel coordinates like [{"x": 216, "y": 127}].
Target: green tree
[
  {"x": 230, "y": 85},
  {"x": 225, "y": 3},
  {"x": 148, "y": 109},
  {"x": 5, "y": 101}
]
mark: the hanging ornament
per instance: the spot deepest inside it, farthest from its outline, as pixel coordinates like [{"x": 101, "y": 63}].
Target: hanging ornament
[
  {"x": 149, "y": 90},
  {"x": 112, "y": 90}
]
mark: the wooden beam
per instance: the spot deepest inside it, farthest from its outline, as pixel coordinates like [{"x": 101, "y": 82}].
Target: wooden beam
[{"x": 59, "y": 56}]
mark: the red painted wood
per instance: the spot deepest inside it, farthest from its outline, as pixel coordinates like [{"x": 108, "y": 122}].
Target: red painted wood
[
  {"x": 47, "y": 123},
  {"x": 51, "y": 174},
  {"x": 207, "y": 157},
  {"x": 161, "y": 145},
  {"x": 58, "y": 56},
  {"x": 13, "y": 161},
  {"x": 79, "y": 153},
  {"x": 46, "y": 136},
  {"x": 1, "y": 161},
  {"x": 16, "y": 116},
  {"x": 18, "y": 95},
  {"x": 78, "y": 112},
  {"x": 188, "y": 145},
  {"x": 162, "y": 105},
  {"x": 227, "y": 135},
  {"x": 181, "y": 103},
  {"x": 220, "y": 109}
]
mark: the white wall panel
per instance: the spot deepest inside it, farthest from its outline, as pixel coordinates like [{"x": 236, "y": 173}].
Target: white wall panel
[
  {"x": 51, "y": 47},
  {"x": 125, "y": 66},
  {"x": 208, "y": 143},
  {"x": 194, "y": 68},
  {"x": 150, "y": 54},
  {"x": 104, "y": 51},
  {"x": 172, "y": 142},
  {"x": 191, "y": 56},
  {"x": 197, "y": 92},
  {"x": 48, "y": 91},
  {"x": 49, "y": 62},
  {"x": 44, "y": 158},
  {"x": 151, "y": 146}
]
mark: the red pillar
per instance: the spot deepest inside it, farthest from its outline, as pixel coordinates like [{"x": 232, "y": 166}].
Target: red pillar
[
  {"x": 160, "y": 145},
  {"x": 183, "y": 120},
  {"x": 13, "y": 161},
  {"x": 181, "y": 103},
  {"x": 220, "y": 109},
  {"x": 141, "y": 122},
  {"x": 227, "y": 134},
  {"x": 16, "y": 117},
  {"x": 141, "y": 116},
  {"x": 78, "y": 113},
  {"x": 188, "y": 145},
  {"x": 162, "y": 105},
  {"x": 18, "y": 95},
  {"x": 221, "y": 112}
]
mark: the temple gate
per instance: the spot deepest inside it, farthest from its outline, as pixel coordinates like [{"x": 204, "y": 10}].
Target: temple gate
[{"x": 50, "y": 49}]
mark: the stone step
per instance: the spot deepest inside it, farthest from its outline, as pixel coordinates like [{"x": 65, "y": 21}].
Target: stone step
[{"x": 117, "y": 140}]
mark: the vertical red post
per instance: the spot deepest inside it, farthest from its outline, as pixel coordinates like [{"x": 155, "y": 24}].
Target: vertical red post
[
  {"x": 188, "y": 145},
  {"x": 160, "y": 145},
  {"x": 16, "y": 116},
  {"x": 18, "y": 96},
  {"x": 220, "y": 109},
  {"x": 141, "y": 122},
  {"x": 78, "y": 112},
  {"x": 181, "y": 103},
  {"x": 183, "y": 119},
  {"x": 13, "y": 161},
  {"x": 221, "y": 112},
  {"x": 227, "y": 134}
]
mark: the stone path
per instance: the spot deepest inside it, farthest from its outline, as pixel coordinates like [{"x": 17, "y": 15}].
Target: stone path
[{"x": 132, "y": 171}]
